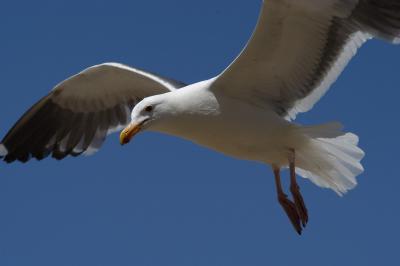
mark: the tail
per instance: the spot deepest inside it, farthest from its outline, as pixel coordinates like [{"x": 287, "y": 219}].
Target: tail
[
  {"x": 380, "y": 18},
  {"x": 331, "y": 159}
]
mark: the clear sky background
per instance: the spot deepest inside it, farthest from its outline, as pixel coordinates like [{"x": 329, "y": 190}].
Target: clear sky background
[{"x": 162, "y": 200}]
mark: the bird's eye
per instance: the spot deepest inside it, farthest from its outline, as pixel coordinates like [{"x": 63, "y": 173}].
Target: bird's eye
[{"x": 148, "y": 108}]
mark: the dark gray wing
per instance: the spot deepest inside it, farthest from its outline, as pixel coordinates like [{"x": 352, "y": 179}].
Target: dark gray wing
[
  {"x": 80, "y": 112},
  {"x": 300, "y": 47}
]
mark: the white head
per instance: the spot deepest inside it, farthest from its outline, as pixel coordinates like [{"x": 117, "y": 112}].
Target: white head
[
  {"x": 173, "y": 111},
  {"x": 145, "y": 114}
]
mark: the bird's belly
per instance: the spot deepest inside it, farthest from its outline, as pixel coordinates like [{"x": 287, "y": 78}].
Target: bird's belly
[
  {"x": 247, "y": 141},
  {"x": 249, "y": 148}
]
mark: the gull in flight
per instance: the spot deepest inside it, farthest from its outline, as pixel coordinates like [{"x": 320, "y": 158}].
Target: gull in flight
[{"x": 298, "y": 49}]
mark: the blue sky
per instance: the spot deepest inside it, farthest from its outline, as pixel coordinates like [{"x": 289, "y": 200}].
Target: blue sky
[{"x": 165, "y": 201}]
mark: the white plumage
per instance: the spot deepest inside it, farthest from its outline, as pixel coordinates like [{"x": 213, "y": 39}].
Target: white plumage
[{"x": 298, "y": 49}]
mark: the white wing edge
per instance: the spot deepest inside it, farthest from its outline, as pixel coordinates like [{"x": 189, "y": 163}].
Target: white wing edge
[
  {"x": 163, "y": 82},
  {"x": 349, "y": 51}
]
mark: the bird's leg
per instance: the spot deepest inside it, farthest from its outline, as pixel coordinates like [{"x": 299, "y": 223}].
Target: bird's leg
[
  {"x": 287, "y": 205},
  {"x": 295, "y": 190}
]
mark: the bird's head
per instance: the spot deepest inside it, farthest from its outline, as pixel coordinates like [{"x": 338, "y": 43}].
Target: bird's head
[
  {"x": 175, "y": 113},
  {"x": 143, "y": 115}
]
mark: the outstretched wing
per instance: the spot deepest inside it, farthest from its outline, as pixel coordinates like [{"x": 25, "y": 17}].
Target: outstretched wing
[
  {"x": 300, "y": 47},
  {"x": 78, "y": 113}
]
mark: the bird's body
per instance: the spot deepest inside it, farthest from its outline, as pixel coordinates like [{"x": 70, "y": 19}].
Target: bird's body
[
  {"x": 298, "y": 49},
  {"x": 228, "y": 125}
]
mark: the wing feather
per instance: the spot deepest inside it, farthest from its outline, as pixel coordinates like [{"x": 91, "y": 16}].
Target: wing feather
[
  {"x": 76, "y": 116},
  {"x": 300, "y": 47}
]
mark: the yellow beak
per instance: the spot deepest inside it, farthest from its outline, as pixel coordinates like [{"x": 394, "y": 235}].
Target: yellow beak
[{"x": 129, "y": 132}]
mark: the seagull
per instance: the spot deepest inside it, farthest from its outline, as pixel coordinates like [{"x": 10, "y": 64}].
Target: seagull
[{"x": 297, "y": 51}]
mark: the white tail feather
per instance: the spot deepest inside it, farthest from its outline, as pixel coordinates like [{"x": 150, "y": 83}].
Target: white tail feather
[{"x": 331, "y": 159}]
